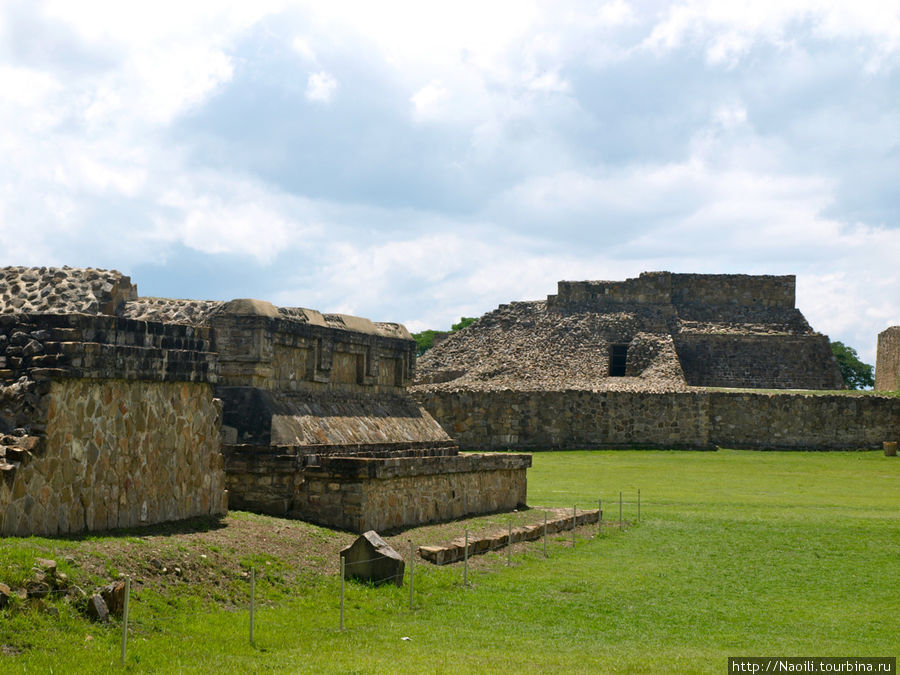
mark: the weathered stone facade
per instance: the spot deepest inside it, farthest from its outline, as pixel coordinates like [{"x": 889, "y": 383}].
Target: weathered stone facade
[
  {"x": 104, "y": 422},
  {"x": 887, "y": 365},
  {"x": 697, "y": 419},
  {"x": 115, "y": 454},
  {"x": 627, "y": 364},
  {"x": 318, "y": 426},
  {"x": 364, "y": 493},
  {"x": 112, "y": 409},
  {"x": 658, "y": 332},
  {"x": 108, "y": 415}
]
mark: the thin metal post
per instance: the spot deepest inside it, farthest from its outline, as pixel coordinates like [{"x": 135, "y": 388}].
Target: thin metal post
[
  {"x": 574, "y": 523},
  {"x": 545, "y": 534},
  {"x": 620, "y": 509},
  {"x": 125, "y": 618},
  {"x": 342, "y": 592},
  {"x": 639, "y": 505},
  {"x": 599, "y": 516},
  {"x": 466, "y": 561},
  {"x": 253, "y": 599},
  {"x": 509, "y": 544},
  {"x": 412, "y": 565}
]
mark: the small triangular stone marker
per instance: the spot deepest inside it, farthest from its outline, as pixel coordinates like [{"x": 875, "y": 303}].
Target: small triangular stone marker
[{"x": 370, "y": 558}]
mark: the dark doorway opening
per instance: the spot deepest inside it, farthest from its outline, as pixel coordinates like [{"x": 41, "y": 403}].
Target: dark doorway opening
[{"x": 618, "y": 358}]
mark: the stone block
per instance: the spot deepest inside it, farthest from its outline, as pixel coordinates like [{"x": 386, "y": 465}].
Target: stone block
[
  {"x": 96, "y": 609},
  {"x": 370, "y": 558},
  {"x": 114, "y": 597}
]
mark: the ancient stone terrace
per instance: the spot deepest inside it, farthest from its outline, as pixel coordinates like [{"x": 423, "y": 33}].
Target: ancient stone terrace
[
  {"x": 661, "y": 361},
  {"x": 658, "y": 332},
  {"x": 117, "y": 410}
]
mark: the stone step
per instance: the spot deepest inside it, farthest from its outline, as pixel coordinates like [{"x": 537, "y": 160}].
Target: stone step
[{"x": 455, "y": 550}]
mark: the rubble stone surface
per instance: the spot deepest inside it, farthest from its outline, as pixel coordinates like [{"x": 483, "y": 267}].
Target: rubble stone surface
[{"x": 63, "y": 290}]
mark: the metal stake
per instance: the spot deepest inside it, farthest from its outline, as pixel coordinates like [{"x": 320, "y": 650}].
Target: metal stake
[
  {"x": 342, "y": 592},
  {"x": 253, "y": 597},
  {"x": 574, "y": 523},
  {"x": 412, "y": 565},
  {"x": 125, "y": 618},
  {"x": 599, "y": 516},
  {"x": 620, "y": 509},
  {"x": 466, "y": 561},
  {"x": 639, "y": 505},
  {"x": 545, "y": 534},
  {"x": 509, "y": 544}
]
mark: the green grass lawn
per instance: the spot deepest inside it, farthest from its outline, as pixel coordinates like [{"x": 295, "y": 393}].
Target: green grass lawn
[{"x": 738, "y": 553}]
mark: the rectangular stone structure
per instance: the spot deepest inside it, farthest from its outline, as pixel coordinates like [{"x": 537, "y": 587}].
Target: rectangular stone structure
[
  {"x": 106, "y": 422},
  {"x": 887, "y": 365},
  {"x": 362, "y": 493}
]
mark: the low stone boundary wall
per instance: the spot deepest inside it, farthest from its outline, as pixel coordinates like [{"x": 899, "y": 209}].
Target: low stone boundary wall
[
  {"x": 697, "y": 419},
  {"x": 536, "y": 420},
  {"x": 802, "y": 421},
  {"x": 455, "y": 550},
  {"x": 359, "y": 494}
]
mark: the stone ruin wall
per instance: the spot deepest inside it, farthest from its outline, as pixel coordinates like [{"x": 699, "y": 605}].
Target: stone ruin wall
[
  {"x": 758, "y": 291},
  {"x": 284, "y": 353},
  {"x": 536, "y": 420},
  {"x": 517, "y": 420},
  {"x": 887, "y": 365},
  {"x": 111, "y": 411},
  {"x": 318, "y": 426},
  {"x": 105, "y": 422},
  {"x": 366, "y": 493},
  {"x": 758, "y": 361},
  {"x": 385, "y": 488},
  {"x": 722, "y": 291},
  {"x": 730, "y": 330},
  {"x": 290, "y": 382}
]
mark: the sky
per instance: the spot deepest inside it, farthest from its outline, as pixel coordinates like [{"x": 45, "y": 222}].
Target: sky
[{"x": 421, "y": 161}]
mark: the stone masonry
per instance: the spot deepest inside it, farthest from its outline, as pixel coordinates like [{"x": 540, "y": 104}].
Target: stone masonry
[
  {"x": 887, "y": 365},
  {"x": 671, "y": 331},
  {"x": 105, "y": 422},
  {"x": 697, "y": 419},
  {"x": 318, "y": 425},
  {"x": 661, "y": 361},
  {"x": 115, "y": 411}
]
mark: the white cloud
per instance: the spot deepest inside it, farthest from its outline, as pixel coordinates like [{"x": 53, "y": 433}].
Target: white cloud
[
  {"x": 321, "y": 87},
  {"x": 303, "y": 48},
  {"x": 425, "y": 102},
  {"x": 729, "y": 116},
  {"x": 615, "y": 13},
  {"x": 559, "y": 117},
  {"x": 729, "y": 30}
]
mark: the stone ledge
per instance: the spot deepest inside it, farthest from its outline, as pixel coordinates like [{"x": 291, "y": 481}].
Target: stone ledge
[
  {"x": 455, "y": 550},
  {"x": 250, "y": 451},
  {"x": 401, "y": 467}
]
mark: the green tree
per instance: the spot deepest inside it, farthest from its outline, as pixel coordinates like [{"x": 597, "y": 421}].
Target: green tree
[
  {"x": 425, "y": 339},
  {"x": 463, "y": 322},
  {"x": 856, "y": 374}
]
